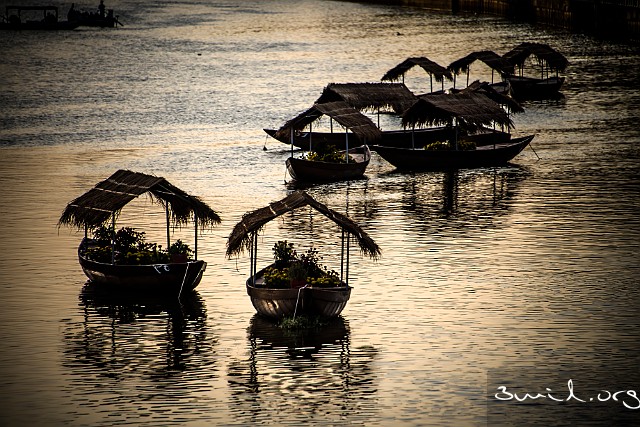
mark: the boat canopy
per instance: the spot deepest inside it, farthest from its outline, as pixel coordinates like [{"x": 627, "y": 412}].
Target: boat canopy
[
  {"x": 545, "y": 54},
  {"x": 370, "y": 96},
  {"x": 433, "y": 69},
  {"x": 100, "y": 204},
  {"x": 469, "y": 110},
  {"x": 341, "y": 112},
  {"x": 492, "y": 59},
  {"x": 252, "y": 222},
  {"x": 501, "y": 99}
]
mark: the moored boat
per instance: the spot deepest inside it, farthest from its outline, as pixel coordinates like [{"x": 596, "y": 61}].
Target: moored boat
[
  {"x": 482, "y": 156},
  {"x": 34, "y": 18},
  {"x": 326, "y": 162},
  {"x": 122, "y": 261},
  {"x": 548, "y": 58},
  {"x": 275, "y": 291}
]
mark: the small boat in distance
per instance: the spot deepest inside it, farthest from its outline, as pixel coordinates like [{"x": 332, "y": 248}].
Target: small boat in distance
[
  {"x": 104, "y": 18},
  {"x": 546, "y": 86},
  {"x": 34, "y": 18},
  {"x": 302, "y": 169},
  {"x": 121, "y": 261},
  {"x": 295, "y": 285}
]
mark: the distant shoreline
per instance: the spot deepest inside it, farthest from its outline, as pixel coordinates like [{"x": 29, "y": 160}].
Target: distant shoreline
[{"x": 609, "y": 19}]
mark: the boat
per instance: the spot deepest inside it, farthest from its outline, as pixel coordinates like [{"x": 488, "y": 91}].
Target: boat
[
  {"x": 101, "y": 18},
  {"x": 137, "y": 267},
  {"x": 327, "y": 162},
  {"x": 482, "y": 156},
  {"x": 467, "y": 111},
  {"x": 34, "y": 18},
  {"x": 494, "y": 61},
  {"x": 546, "y": 86},
  {"x": 325, "y": 294},
  {"x": 302, "y": 169}
]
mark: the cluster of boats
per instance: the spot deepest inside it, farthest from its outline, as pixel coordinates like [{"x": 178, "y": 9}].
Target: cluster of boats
[
  {"x": 456, "y": 128},
  {"x": 18, "y": 17},
  {"x": 442, "y": 129}
]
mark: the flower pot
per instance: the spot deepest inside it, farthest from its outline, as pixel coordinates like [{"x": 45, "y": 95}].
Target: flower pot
[{"x": 179, "y": 258}]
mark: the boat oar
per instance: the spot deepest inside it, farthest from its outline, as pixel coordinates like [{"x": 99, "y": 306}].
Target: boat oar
[
  {"x": 295, "y": 311},
  {"x": 186, "y": 270}
]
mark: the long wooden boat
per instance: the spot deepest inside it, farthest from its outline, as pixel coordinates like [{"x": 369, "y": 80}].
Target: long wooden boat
[
  {"x": 397, "y": 138},
  {"x": 314, "y": 171},
  {"x": 169, "y": 278},
  {"x": 533, "y": 88},
  {"x": 487, "y": 155},
  {"x": 13, "y": 19},
  {"x": 308, "y": 300}
]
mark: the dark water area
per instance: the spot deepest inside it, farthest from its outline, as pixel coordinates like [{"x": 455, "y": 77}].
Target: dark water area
[{"x": 504, "y": 276}]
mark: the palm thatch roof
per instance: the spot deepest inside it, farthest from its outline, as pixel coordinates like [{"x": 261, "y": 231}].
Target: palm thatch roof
[
  {"x": 341, "y": 112},
  {"x": 108, "y": 197},
  {"x": 432, "y": 68},
  {"x": 545, "y": 54},
  {"x": 240, "y": 237},
  {"x": 470, "y": 110},
  {"x": 497, "y": 97},
  {"x": 489, "y": 57},
  {"x": 369, "y": 96}
]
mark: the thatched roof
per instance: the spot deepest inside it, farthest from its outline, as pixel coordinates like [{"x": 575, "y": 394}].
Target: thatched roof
[
  {"x": 341, "y": 112},
  {"x": 470, "y": 110},
  {"x": 433, "y": 69},
  {"x": 370, "y": 96},
  {"x": 499, "y": 98},
  {"x": 490, "y": 58},
  {"x": 108, "y": 197},
  {"x": 240, "y": 237},
  {"x": 545, "y": 53}
]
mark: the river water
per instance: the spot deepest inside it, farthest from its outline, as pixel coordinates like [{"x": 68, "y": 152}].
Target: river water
[{"x": 521, "y": 276}]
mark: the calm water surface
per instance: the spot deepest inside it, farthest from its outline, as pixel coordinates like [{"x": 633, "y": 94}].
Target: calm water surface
[{"x": 485, "y": 275}]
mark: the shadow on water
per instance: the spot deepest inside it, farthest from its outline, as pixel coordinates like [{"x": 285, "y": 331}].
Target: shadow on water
[
  {"x": 303, "y": 373},
  {"x": 123, "y": 336}
]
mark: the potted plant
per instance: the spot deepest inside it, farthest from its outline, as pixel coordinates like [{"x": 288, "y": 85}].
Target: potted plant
[
  {"x": 297, "y": 274},
  {"x": 283, "y": 253},
  {"x": 179, "y": 252}
]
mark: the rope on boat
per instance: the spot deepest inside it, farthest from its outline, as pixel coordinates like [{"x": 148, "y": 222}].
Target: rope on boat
[
  {"x": 186, "y": 270},
  {"x": 534, "y": 151},
  {"x": 295, "y": 311}
]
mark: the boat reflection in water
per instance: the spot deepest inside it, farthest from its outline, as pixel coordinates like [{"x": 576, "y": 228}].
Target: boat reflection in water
[
  {"x": 303, "y": 374},
  {"x": 137, "y": 340}
]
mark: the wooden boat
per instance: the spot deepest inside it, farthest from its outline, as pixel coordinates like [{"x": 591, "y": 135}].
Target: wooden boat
[
  {"x": 310, "y": 299},
  {"x": 486, "y": 155},
  {"x": 314, "y": 171},
  {"x": 533, "y": 88},
  {"x": 13, "y": 19},
  {"x": 530, "y": 87},
  {"x": 313, "y": 301},
  {"x": 103, "y": 203},
  {"x": 169, "y": 278},
  {"x": 102, "y": 19},
  {"x": 306, "y": 169}
]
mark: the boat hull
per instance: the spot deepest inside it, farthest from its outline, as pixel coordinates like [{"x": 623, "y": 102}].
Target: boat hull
[
  {"x": 309, "y": 300},
  {"x": 158, "y": 278},
  {"x": 486, "y": 155},
  {"x": 311, "y": 171},
  {"x": 532, "y": 88}
]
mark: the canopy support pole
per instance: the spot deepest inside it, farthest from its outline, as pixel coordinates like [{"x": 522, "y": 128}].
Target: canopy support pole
[
  {"x": 168, "y": 230},
  {"x": 291, "y": 138},
  {"x": 431, "y": 81},
  {"x": 347, "y": 267},
  {"x": 195, "y": 248},
  {"x": 346, "y": 138},
  {"x": 342, "y": 256},
  {"x": 113, "y": 237},
  {"x": 310, "y": 133}
]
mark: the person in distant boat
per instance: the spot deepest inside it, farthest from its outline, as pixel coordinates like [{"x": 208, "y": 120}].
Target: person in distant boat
[{"x": 101, "y": 8}]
